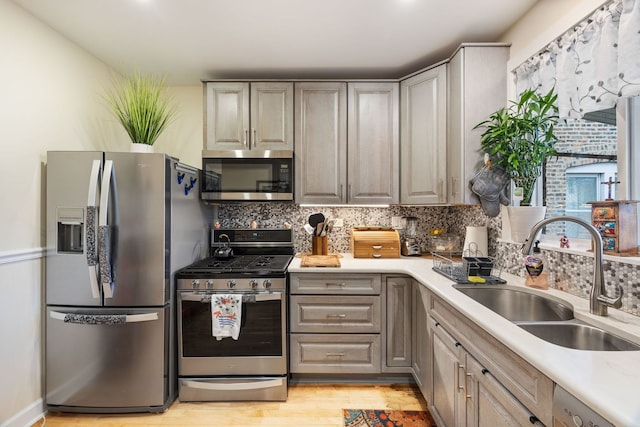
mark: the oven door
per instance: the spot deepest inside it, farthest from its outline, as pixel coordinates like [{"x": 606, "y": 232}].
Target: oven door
[{"x": 261, "y": 345}]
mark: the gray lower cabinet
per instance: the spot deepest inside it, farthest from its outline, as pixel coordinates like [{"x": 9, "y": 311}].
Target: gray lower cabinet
[
  {"x": 335, "y": 323},
  {"x": 419, "y": 340},
  {"x": 398, "y": 323},
  {"x": 478, "y": 381},
  {"x": 464, "y": 392}
]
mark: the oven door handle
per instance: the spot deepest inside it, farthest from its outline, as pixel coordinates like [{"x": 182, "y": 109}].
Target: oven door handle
[
  {"x": 254, "y": 297},
  {"x": 254, "y": 385}
]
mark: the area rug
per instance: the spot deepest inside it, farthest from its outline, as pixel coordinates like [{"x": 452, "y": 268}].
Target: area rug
[{"x": 387, "y": 418}]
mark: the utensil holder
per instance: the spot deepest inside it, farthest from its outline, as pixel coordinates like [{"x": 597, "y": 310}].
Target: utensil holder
[{"x": 319, "y": 245}]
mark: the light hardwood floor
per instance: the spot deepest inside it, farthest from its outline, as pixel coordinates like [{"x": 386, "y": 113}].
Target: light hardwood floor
[{"x": 307, "y": 405}]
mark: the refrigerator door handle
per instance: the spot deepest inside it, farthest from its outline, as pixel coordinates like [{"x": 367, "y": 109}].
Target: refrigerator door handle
[
  {"x": 103, "y": 319},
  {"x": 90, "y": 233},
  {"x": 104, "y": 233}
]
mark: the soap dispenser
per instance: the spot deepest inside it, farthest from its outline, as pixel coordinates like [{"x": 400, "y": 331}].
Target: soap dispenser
[{"x": 534, "y": 263}]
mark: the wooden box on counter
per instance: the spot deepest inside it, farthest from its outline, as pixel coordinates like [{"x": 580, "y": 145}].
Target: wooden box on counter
[
  {"x": 375, "y": 242},
  {"x": 617, "y": 222}
]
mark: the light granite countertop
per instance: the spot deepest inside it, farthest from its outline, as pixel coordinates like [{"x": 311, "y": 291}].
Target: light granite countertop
[{"x": 606, "y": 381}]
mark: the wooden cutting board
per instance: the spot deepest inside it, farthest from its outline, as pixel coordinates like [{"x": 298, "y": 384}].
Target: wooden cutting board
[{"x": 320, "y": 260}]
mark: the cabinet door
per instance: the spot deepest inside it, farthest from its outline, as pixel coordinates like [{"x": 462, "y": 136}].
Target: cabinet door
[
  {"x": 321, "y": 142},
  {"x": 226, "y": 116},
  {"x": 423, "y": 137},
  {"x": 488, "y": 403},
  {"x": 477, "y": 82},
  {"x": 447, "y": 404},
  {"x": 419, "y": 340},
  {"x": 373, "y": 148},
  {"x": 398, "y": 330},
  {"x": 272, "y": 116}
]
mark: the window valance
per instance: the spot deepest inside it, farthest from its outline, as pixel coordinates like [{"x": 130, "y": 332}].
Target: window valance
[{"x": 592, "y": 65}]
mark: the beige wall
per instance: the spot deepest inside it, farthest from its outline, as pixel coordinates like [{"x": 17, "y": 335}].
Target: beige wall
[
  {"x": 49, "y": 89},
  {"x": 183, "y": 138}
]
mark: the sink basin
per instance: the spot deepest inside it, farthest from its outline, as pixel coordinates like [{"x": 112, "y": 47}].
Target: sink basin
[
  {"x": 516, "y": 304},
  {"x": 579, "y": 336}
]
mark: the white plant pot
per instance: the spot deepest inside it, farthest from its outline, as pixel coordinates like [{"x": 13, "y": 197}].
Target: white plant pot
[
  {"x": 141, "y": 148},
  {"x": 522, "y": 219}
]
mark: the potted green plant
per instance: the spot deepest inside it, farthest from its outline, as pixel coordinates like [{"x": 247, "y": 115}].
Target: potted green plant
[
  {"x": 519, "y": 138},
  {"x": 139, "y": 101}
]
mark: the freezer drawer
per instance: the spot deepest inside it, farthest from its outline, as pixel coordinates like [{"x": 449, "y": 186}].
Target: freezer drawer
[{"x": 107, "y": 360}]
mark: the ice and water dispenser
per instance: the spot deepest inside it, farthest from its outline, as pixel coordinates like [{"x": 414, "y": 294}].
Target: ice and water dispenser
[{"x": 70, "y": 229}]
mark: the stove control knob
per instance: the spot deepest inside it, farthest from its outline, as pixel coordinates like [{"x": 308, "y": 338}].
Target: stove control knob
[
  {"x": 231, "y": 284},
  {"x": 195, "y": 284},
  {"x": 209, "y": 284},
  {"x": 253, "y": 283},
  {"x": 266, "y": 283}
]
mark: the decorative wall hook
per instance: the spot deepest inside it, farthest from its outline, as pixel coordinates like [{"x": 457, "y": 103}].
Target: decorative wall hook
[
  {"x": 180, "y": 177},
  {"x": 188, "y": 187}
]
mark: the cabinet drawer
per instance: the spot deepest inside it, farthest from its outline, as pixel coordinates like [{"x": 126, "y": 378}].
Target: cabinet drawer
[
  {"x": 604, "y": 212},
  {"x": 530, "y": 386},
  {"x": 339, "y": 284},
  {"x": 341, "y": 314},
  {"x": 376, "y": 251},
  {"x": 334, "y": 353}
]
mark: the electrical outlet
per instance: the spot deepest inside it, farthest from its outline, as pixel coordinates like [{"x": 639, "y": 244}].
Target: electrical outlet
[
  {"x": 396, "y": 222},
  {"x": 338, "y": 222}
]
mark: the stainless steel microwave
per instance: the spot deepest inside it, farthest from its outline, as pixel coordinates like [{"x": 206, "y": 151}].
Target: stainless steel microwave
[{"x": 247, "y": 175}]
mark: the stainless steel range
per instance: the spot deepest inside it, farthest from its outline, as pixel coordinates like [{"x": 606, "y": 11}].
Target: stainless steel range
[{"x": 221, "y": 356}]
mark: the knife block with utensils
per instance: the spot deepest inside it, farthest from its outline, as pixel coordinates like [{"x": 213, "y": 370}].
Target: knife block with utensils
[{"x": 319, "y": 245}]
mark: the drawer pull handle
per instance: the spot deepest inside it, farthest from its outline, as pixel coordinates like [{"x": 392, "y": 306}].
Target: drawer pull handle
[
  {"x": 377, "y": 247},
  {"x": 335, "y": 354},
  {"x": 337, "y": 316},
  {"x": 376, "y": 255},
  {"x": 340, "y": 285},
  {"x": 460, "y": 366}
]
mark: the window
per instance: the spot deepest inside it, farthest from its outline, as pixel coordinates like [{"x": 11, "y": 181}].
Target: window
[{"x": 587, "y": 168}]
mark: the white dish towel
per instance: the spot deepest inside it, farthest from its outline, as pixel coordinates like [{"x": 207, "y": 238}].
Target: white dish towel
[{"x": 226, "y": 312}]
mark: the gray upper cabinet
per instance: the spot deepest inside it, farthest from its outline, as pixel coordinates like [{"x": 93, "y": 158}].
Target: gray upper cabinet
[
  {"x": 477, "y": 80},
  {"x": 373, "y": 149},
  {"x": 346, "y": 142},
  {"x": 423, "y": 137},
  {"x": 248, "y": 116},
  {"x": 320, "y": 142}
]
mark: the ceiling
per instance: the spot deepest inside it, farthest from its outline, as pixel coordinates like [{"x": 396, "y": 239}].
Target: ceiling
[{"x": 191, "y": 40}]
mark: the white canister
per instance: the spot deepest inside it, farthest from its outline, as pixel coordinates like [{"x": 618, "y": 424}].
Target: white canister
[{"x": 475, "y": 242}]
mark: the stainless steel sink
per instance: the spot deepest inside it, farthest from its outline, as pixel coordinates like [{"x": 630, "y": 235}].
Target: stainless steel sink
[
  {"x": 579, "y": 336},
  {"x": 516, "y": 304}
]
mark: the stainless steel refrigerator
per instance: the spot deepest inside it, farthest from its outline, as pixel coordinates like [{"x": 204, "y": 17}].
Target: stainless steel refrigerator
[{"x": 118, "y": 226}]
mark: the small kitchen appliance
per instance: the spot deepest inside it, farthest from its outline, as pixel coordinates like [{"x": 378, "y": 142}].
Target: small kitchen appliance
[
  {"x": 410, "y": 245},
  {"x": 253, "y": 366},
  {"x": 261, "y": 175}
]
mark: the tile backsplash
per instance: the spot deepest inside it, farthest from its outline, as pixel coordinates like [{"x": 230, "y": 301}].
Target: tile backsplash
[
  {"x": 273, "y": 215},
  {"x": 571, "y": 273}
]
